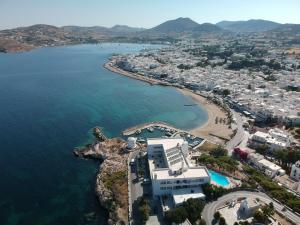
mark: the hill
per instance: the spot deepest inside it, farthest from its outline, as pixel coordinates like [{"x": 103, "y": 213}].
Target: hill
[
  {"x": 180, "y": 25},
  {"x": 248, "y": 26},
  {"x": 125, "y": 29}
]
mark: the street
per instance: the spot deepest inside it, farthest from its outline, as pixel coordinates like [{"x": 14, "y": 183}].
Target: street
[
  {"x": 240, "y": 134},
  {"x": 212, "y": 207}
]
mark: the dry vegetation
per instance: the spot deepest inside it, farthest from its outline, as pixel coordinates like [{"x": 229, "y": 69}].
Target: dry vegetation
[{"x": 207, "y": 147}]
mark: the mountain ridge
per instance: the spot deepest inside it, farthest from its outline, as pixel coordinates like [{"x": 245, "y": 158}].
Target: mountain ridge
[{"x": 252, "y": 25}]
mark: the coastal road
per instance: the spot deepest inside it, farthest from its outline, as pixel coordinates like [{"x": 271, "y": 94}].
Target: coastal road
[
  {"x": 211, "y": 208},
  {"x": 240, "y": 134}
]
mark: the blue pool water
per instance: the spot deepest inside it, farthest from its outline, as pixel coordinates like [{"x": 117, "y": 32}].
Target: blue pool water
[{"x": 218, "y": 178}]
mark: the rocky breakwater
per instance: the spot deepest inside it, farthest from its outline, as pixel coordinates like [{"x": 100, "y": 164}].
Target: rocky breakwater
[{"x": 111, "y": 182}]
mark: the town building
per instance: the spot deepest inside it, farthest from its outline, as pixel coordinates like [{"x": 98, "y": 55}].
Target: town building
[
  {"x": 295, "y": 172},
  {"x": 249, "y": 206},
  {"x": 264, "y": 165},
  {"x": 275, "y": 139},
  {"x": 171, "y": 171},
  {"x": 131, "y": 143}
]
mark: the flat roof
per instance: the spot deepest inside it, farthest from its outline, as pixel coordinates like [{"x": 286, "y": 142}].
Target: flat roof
[
  {"x": 175, "y": 161},
  {"x": 269, "y": 164},
  {"x": 192, "y": 172},
  {"x": 181, "y": 195},
  {"x": 167, "y": 143}
]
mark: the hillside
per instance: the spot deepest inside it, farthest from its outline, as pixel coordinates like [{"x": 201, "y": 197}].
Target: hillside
[
  {"x": 248, "y": 26},
  {"x": 179, "y": 25}
]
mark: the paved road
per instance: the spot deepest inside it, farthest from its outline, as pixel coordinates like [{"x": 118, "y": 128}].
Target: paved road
[
  {"x": 133, "y": 195},
  {"x": 212, "y": 207},
  {"x": 240, "y": 134}
]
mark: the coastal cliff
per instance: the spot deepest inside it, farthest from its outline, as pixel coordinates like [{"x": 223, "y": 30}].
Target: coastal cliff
[{"x": 111, "y": 182}]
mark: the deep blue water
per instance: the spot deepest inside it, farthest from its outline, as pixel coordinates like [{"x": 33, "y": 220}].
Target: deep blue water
[{"x": 49, "y": 100}]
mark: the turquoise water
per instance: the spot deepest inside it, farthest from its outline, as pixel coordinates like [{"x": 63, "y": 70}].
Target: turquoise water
[
  {"x": 218, "y": 178},
  {"x": 50, "y": 99}
]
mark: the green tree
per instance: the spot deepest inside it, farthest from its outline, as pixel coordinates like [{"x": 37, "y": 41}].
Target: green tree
[
  {"x": 202, "y": 222},
  {"x": 144, "y": 209},
  {"x": 262, "y": 149},
  {"x": 226, "y": 92},
  {"x": 219, "y": 151},
  {"x": 259, "y": 216},
  {"x": 193, "y": 207},
  {"x": 281, "y": 156},
  {"x": 222, "y": 221},
  {"x": 177, "y": 215},
  {"x": 217, "y": 215},
  {"x": 244, "y": 222}
]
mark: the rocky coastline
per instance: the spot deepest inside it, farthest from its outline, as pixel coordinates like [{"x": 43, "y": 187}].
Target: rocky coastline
[{"x": 111, "y": 185}]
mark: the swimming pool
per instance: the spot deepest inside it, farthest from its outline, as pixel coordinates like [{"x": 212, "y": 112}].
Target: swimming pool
[{"x": 218, "y": 178}]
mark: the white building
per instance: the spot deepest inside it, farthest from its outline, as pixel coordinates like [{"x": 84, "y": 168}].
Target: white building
[
  {"x": 249, "y": 206},
  {"x": 266, "y": 166},
  {"x": 131, "y": 143},
  {"x": 171, "y": 171},
  {"x": 275, "y": 139},
  {"x": 295, "y": 172}
]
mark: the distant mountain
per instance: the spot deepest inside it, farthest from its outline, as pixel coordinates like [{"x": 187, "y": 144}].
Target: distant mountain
[
  {"x": 179, "y": 25},
  {"x": 207, "y": 28},
  {"x": 248, "y": 26},
  {"x": 182, "y": 26},
  {"x": 288, "y": 33},
  {"x": 125, "y": 29}
]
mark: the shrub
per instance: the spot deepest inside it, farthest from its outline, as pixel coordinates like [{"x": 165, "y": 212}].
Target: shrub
[
  {"x": 177, "y": 215},
  {"x": 217, "y": 215},
  {"x": 222, "y": 221}
]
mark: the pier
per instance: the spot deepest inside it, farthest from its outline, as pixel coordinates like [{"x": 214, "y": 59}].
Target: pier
[
  {"x": 132, "y": 130},
  {"x": 174, "y": 132}
]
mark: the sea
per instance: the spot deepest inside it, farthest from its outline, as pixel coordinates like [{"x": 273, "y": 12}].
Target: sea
[{"x": 50, "y": 99}]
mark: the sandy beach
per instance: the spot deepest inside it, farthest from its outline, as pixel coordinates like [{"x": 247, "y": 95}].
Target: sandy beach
[{"x": 212, "y": 131}]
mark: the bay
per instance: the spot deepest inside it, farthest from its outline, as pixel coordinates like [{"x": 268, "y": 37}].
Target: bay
[{"x": 50, "y": 98}]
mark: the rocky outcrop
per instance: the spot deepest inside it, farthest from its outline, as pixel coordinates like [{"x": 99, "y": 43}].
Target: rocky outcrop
[{"x": 111, "y": 182}]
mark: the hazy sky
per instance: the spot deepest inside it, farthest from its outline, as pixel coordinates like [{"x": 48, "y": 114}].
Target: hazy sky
[{"x": 142, "y": 13}]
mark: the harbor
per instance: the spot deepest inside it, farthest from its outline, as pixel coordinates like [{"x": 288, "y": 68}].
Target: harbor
[{"x": 162, "y": 129}]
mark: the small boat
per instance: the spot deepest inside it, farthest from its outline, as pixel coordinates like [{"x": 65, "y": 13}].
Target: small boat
[
  {"x": 168, "y": 134},
  {"x": 150, "y": 129},
  {"x": 190, "y": 104},
  {"x": 141, "y": 140}
]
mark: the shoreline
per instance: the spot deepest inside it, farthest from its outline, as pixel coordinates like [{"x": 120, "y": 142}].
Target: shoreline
[{"x": 210, "y": 130}]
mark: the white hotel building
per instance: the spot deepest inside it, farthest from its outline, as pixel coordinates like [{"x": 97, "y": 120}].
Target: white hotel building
[{"x": 171, "y": 171}]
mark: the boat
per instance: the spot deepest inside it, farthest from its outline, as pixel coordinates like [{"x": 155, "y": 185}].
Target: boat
[
  {"x": 138, "y": 132},
  {"x": 141, "y": 140},
  {"x": 150, "y": 129},
  {"x": 190, "y": 104},
  {"x": 168, "y": 134}
]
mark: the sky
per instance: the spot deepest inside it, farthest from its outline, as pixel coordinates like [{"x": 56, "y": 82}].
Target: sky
[{"x": 141, "y": 13}]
